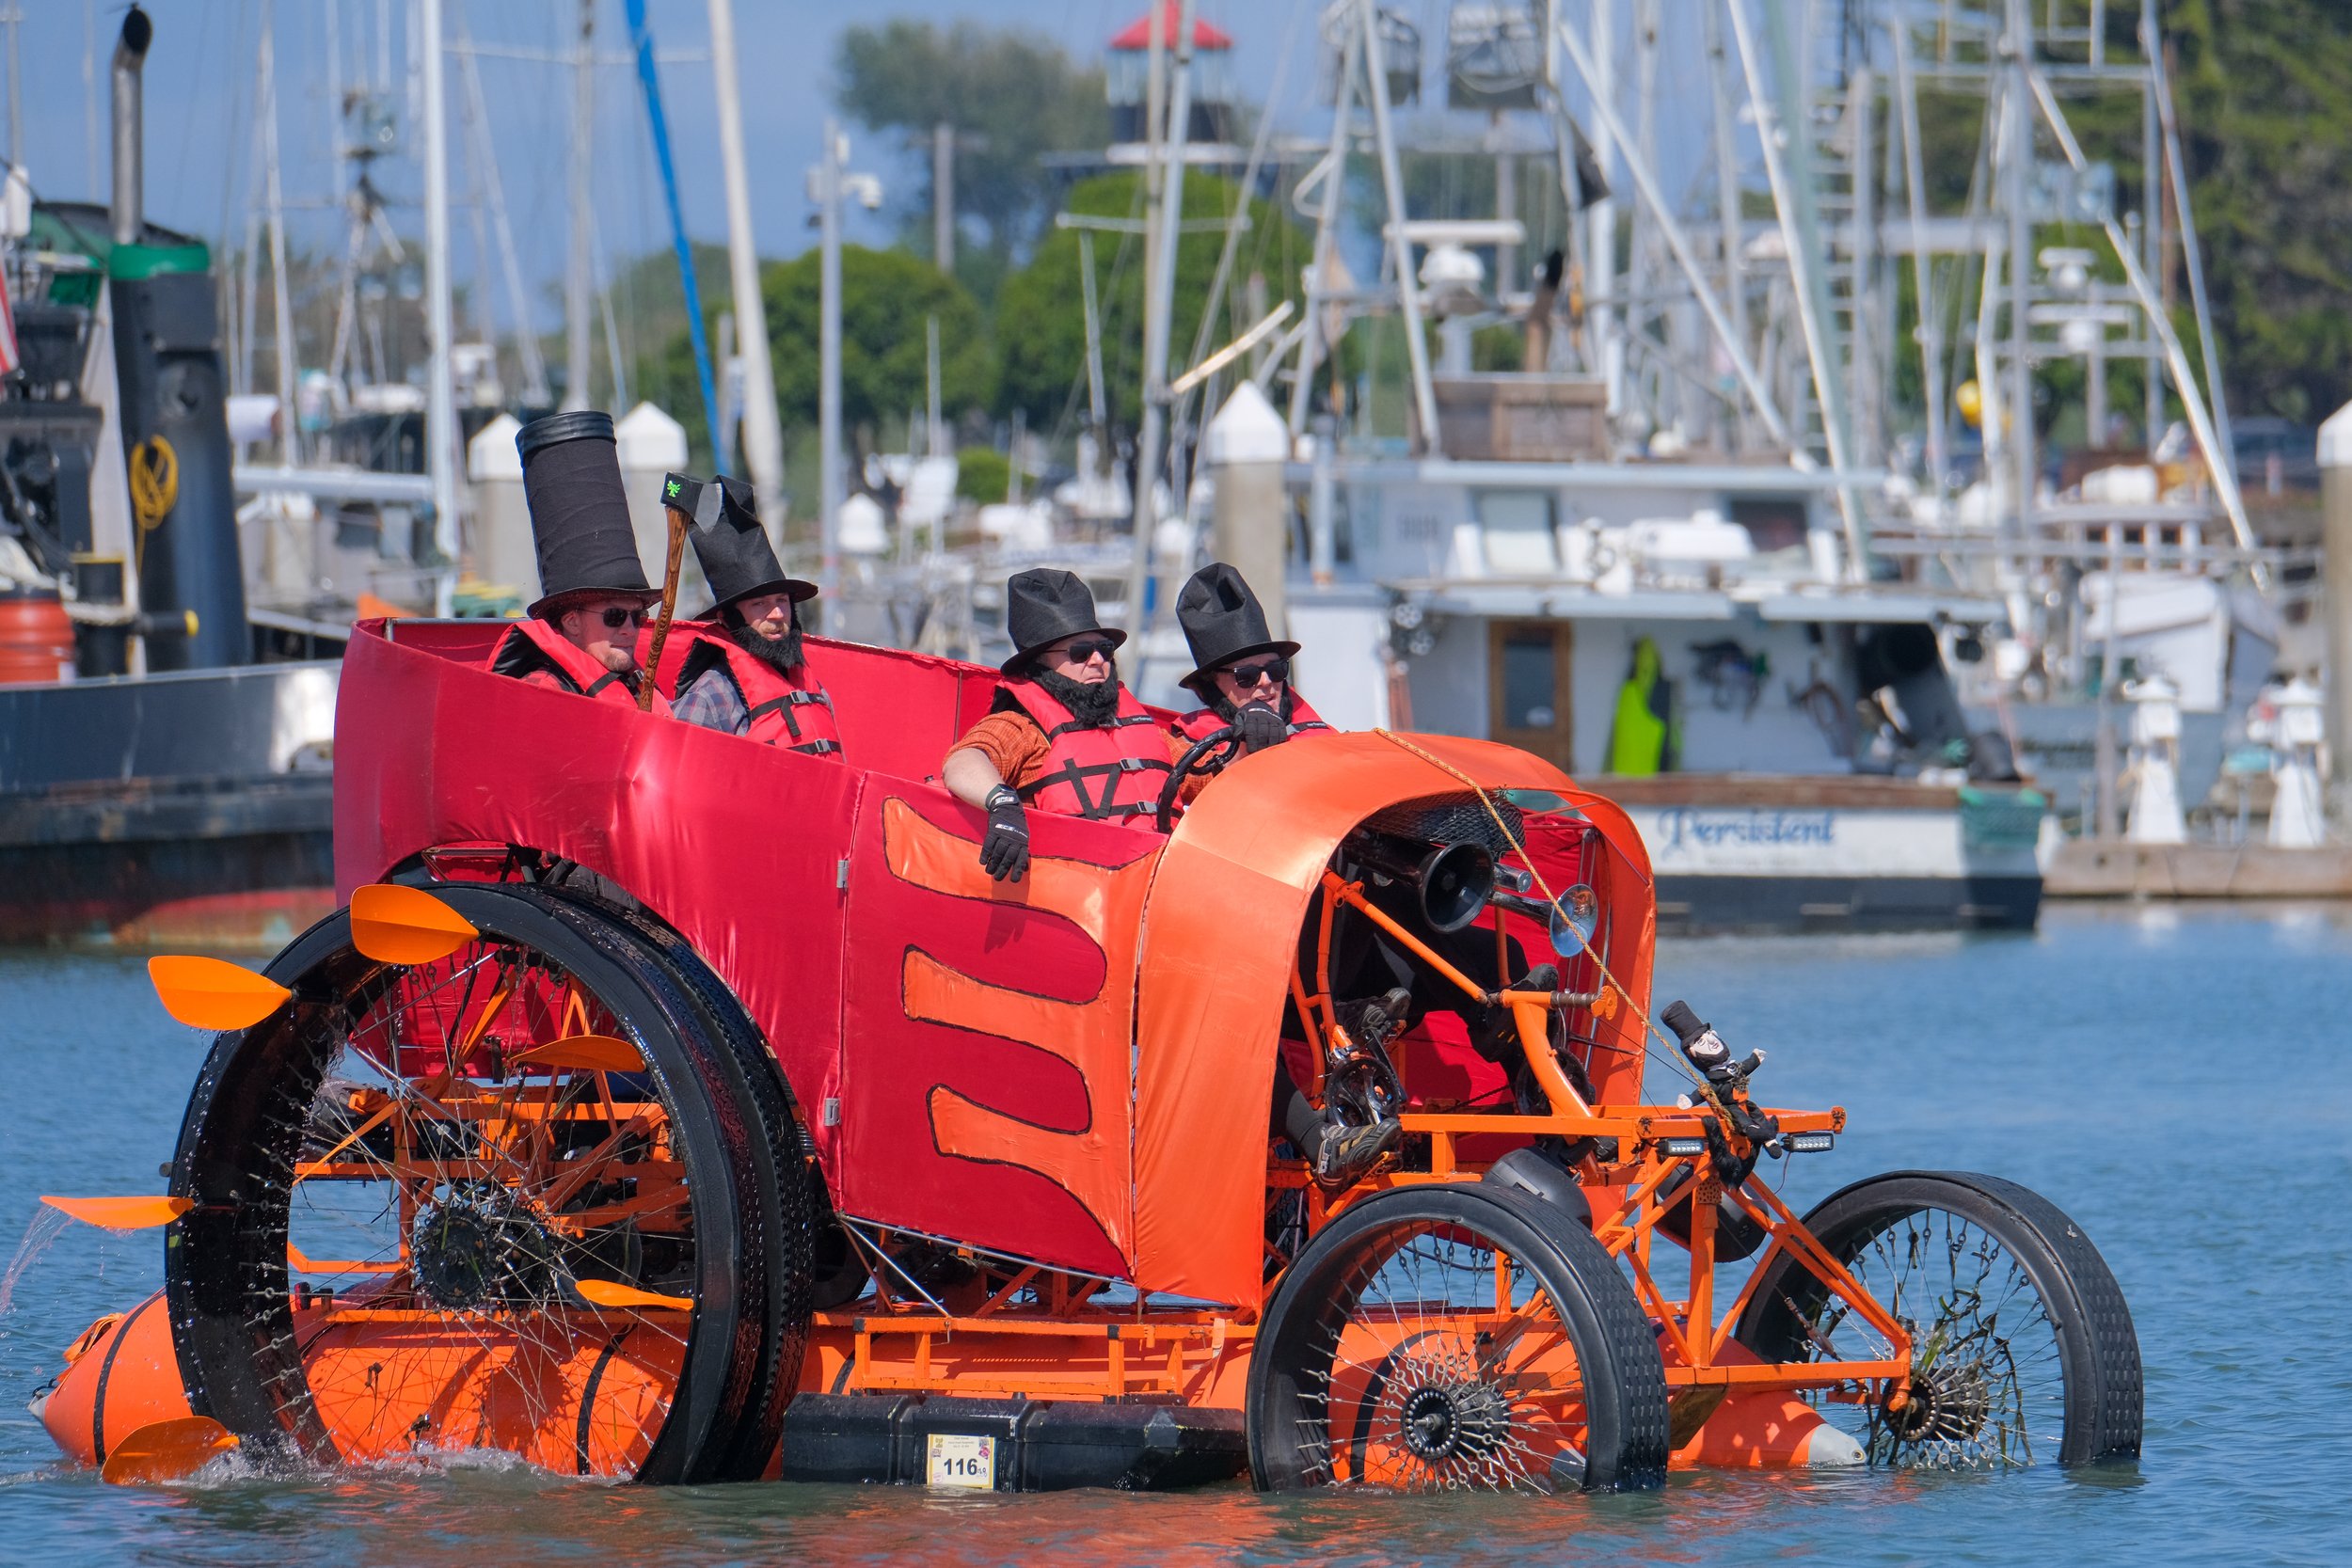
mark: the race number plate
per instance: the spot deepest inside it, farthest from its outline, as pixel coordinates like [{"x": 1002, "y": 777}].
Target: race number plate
[{"x": 957, "y": 1459}]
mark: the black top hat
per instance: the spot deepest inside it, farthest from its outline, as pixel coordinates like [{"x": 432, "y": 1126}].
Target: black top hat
[
  {"x": 579, "y": 512},
  {"x": 737, "y": 562},
  {"x": 1044, "y": 606},
  {"x": 1222, "y": 622}
]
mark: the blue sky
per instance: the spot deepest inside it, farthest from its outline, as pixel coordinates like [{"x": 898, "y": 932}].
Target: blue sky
[
  {"x": 201, "y": 73},
  {"x": 200, "y": 78}
]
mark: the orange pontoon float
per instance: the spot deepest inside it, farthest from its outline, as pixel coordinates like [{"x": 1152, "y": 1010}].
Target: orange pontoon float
[{"x": 666, "y": 1107}]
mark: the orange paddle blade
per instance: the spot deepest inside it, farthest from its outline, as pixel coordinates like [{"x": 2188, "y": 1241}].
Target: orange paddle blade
[
  {"x": 582, "y": 1053},
  {"x": 167, "y": 1450},
  {"x": 395, "y": 925},
  {"x": 122, "y": 1214},
  {"x": 212, "y": 994},
  {"x": 604, "y": 1292}
]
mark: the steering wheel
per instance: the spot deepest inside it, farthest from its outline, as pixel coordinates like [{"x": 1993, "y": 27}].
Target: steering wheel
[{"x": 1208, "y": 754}]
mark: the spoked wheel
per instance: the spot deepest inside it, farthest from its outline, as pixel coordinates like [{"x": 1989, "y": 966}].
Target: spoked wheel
[
  {"x": 522, "y": 1198},
  {"x": 2022, "y": 1347},
  {"x": 1457, "y": 1338}
]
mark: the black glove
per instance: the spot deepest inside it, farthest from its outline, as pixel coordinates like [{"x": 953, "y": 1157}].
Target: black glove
[
  {"x": 1260, "y": 727},
  {"x": 1005, "y": 848}
]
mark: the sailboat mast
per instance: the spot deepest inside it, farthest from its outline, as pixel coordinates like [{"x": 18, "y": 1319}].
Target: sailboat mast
[
  {"x": 763, "y": 432},
  {"x": 440, "y": 407},
  {"x": 578, "y": 281},
  {"x": 281, "y": 306},
  {"x": 1164, "y": 225}
]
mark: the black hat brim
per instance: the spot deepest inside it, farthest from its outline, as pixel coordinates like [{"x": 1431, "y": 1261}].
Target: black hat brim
[
  {"x": 1198, "y": 681},
  {"x": 800, "y": 588},
  {"x": 555, "y": 605},
  {"x": 1018, "y": 662}
]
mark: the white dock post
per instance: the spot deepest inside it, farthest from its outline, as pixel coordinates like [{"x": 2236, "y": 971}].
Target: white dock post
[
  {"x": 2335, "y": 479},
  {"x": 1246, "y": 447},
  {"x": 2297, "y": 820},
  {"x": 2155, "y": 767}
]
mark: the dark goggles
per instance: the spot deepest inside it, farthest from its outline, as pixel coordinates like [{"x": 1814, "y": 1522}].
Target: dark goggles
[
  {"x": 1249, "y": 675},
  {"x": 1085, "y": 650},
  {"x": 615, "y": 618}
]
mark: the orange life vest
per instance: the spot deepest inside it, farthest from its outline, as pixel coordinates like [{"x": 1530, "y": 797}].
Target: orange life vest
[
  {"x": 795, "y": 714},
  {"x": 1112, "y": 770},
  {"x": 1203, "y": 722},
  {"x": 532, "y": 646}
]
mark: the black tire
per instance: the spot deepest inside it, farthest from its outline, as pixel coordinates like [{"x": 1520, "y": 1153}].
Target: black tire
[
  {"x": 1574, "y": 1400},
  {"x": 261, "y": 1096},
  {"x": 2030, "y": 1331},
  {"x": 791, "y": 1196}
]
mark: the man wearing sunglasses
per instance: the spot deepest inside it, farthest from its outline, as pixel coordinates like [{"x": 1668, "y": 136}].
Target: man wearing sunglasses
[
  {"x": 1064, "y": 735},
  {"x": 580, "y": 636},
  {"x": 1242, "y": 670}
]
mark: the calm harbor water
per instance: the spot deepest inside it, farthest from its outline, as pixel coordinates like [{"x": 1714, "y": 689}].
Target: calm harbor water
[{"x": 2176, "y": 1080}]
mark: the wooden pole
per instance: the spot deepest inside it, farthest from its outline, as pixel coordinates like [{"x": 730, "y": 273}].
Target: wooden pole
[{"x": 670, "y": 569}]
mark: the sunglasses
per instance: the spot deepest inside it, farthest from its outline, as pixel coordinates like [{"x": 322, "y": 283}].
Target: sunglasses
[
  {"x": 614, "y": 619},
  {"x": 1084, "y": 652},
  {"x": 1249, "y": 675}
]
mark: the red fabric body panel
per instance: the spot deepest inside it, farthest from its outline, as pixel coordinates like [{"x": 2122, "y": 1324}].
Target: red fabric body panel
[
  {"x": 741, "y": 849},
  {"x": 1203, "y": 722},
  {"x": 1108, "y": 778},
  {"x": 987, "y": 1091}
]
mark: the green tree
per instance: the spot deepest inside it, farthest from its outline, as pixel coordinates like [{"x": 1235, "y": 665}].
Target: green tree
[
  {"x": 1011, "y": 96},
  {"x": 2264, "y": 97},
  {"x": 887, "y": 297},
  {"x": 2263, "y": 89},
  {"x": 1040, "y": 321}
]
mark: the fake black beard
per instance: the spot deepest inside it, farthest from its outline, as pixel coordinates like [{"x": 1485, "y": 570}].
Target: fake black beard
[
  {"x": 1090, "y": 705},
  {"x": 783, "y": 654},
  {"x": 1229, "y": 710}
]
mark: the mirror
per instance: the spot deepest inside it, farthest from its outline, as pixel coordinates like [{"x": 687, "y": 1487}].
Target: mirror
[{"x": 1575, "y": 920}]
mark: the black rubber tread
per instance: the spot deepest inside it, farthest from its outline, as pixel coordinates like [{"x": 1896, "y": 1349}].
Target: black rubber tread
[
  {"x": 790, "y": 1182},
  {"x": 2099, "y": 1347},
  {"x": 226, "y": 1278},
  {"x": 1617, "y": 1347}
]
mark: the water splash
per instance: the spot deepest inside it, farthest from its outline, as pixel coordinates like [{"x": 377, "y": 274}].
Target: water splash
[{"x": 45, "y": 1226}]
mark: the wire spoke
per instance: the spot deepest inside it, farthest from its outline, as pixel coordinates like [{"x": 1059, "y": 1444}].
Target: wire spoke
[
  {"x": 1988, "y": 1373},
  {"x": 1442, "y": 1365},
  {"x": 442, "y": 1206}
]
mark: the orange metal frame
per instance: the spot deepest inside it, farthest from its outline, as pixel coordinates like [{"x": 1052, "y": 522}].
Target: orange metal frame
[
  {"x": 1027, "y": 1330},
  {"x": 1014, "y": 1328}
]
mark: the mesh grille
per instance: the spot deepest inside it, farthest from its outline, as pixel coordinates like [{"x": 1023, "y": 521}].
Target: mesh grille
[{"x": 1451, "y": 819}]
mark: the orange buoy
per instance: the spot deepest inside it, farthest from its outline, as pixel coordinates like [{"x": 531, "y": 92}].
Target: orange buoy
[
  {"x": 35, "y": 640},
  {"x": 586, "y": 1399},
  {"x": 122, "y": 1374}
]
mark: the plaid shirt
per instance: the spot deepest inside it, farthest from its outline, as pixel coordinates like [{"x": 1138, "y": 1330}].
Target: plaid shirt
[{"x": 713, "y": 702}]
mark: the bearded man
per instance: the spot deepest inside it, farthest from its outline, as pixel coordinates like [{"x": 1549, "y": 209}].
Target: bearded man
[
  {"x": 1064, "y": 735},
  {"x": 746, "y": 671},
  {"x": 580, "y": 636}
]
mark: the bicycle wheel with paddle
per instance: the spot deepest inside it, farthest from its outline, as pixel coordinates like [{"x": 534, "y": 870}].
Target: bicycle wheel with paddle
[
  {"x": 1457, "y": 1338},
  {"x": 2022, "y": 1348},
  {"x": 517, "y": 1198}
]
